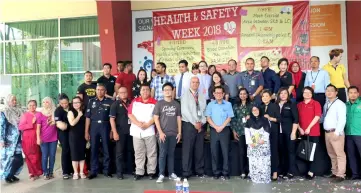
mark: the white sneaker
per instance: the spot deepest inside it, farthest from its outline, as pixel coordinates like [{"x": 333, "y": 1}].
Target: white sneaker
[
  {"x": 160, "y": 179},
  {"x": 173, "y": 176}
]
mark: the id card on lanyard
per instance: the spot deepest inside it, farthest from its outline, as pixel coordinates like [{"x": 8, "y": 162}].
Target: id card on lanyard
[
  {"x": 126, "y": 109},
  {"x": 195, "y": 96}
]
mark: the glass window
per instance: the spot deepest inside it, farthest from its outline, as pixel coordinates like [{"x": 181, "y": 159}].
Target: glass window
[
  {"x": 79, "y": 26},
  {"x": 80, "y": 54},
  {"x": 31, "y": 29},
  {"x": 2, "y": 34},
  {"x": 71, "y": 82},
  {"x": 31, "y": 56},
  {"x": 1, "y": 58},
  {"x": 34, "y": 87}
]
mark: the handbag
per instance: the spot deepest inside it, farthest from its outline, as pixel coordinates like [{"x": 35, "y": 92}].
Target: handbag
[{"x": 306, "y": 150}]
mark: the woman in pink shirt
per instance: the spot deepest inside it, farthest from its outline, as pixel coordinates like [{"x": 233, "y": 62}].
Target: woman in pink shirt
[
  {"x": 31, "y": 150},
  {"x": 47, "y": 137}
]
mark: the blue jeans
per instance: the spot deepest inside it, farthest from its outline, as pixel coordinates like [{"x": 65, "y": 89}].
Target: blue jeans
[
  {"x": 48, "y": 151},
  {"x": 166, "y": 152}
]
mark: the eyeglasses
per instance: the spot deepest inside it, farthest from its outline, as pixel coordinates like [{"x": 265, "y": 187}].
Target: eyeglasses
[
  {"x": 218, "y": 93},
  {"x": 75, "y": 103}
]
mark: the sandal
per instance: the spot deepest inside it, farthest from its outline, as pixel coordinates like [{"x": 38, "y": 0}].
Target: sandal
[
  {"x": 82, "y": 176},
  {"x": 75, "y": 176}
]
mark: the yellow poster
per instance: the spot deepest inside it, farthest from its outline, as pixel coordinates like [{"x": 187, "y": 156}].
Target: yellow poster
[
  {"x": 266, "y": 26},
  {"x": 273, "y": 54},
  {"x": 220, "y": 51},
  {"x": 172, "y": 51}
]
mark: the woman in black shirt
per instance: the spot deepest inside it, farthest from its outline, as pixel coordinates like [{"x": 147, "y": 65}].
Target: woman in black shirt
[
  {"x": 271, "y": 111},
  {"x": 288, "y": 128},
  {"x": 217, "y": 80},
  {"x": 141, "y": 79},
  {"x": 285, "y": 76}
]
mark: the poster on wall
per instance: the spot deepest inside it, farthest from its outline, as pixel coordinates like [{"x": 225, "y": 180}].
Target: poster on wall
[{"x": 235, "y": 32}]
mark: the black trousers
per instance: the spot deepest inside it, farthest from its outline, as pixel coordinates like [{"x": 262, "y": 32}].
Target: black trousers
[
  {"x": 312, "y": 166},
  {"x": 321, "y": 98},
  {"x": 18, "y": 162},
  {"x": 342, "y": 94},
  {"x": 221, "y": 140},
  {"x": 124, "y": 151},
  {"x": 66, "y": 164},
  {"x": 353, "y": 145},
  {"x": 192, "y": 149},
  {"x": 287, "y": 149},
  {"x": 243, "y": 161},
  {"x": 274, "y": 149}
]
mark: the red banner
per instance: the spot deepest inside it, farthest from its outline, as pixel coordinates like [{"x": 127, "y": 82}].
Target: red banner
[{"x": 236, "y": 32}]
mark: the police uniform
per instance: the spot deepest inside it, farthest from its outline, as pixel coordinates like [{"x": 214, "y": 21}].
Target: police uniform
[
  {"x": 98, "y": 113},
  {"x": 251, "y": 82}
]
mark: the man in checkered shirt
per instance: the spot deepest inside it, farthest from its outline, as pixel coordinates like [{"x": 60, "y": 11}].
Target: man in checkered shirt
[{"x": 159, "y": 80}]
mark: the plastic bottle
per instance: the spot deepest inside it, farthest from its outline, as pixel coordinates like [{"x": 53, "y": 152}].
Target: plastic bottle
[
  {"x": 185, "y": 186},
  {"x": 178, "y": 186}
]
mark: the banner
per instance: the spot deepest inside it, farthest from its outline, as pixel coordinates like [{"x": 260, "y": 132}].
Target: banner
[{"x": 236, "y": 32}]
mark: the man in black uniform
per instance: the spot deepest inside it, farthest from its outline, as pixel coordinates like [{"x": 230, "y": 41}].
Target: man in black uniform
[
  {"x": 120, "y": 124},
  {"x": 97, "y": 119},
  {"x": 86, "y": 91},
  {"x": 108, "y": 80}
]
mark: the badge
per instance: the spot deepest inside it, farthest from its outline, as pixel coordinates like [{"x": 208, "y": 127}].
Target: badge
[
  {"x": 199, "y": 113},
  {"x": 244, "y": 119},
  {"x": 128, "y": 121},
  {"x": 313, "y": 86},
  {"x": 204, "y": 91},
  {"x": 120, "y": 105},
  {"x": 93, "y": 106},
  {"x": 253, "y": 82}
]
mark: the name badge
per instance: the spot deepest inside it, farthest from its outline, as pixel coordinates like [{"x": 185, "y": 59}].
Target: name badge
[
  {"x": 199, "y": 113},
  {"x": 204, "y": 91},
  {"x": 128, "y": 121},
  {"x": 313, "y": 86},
  {"x": 244, "y": 119},
  {"x": 253, "y": 82}
]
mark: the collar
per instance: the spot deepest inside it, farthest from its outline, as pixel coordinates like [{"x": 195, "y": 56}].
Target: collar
[
  {"x": 235, "y": 73},
  {"x": 267, "y": 69},
  {"x": 358, "y": 100},
  {"x": 150, "y": 100},
  {"x": 311, "y": 102},
  {"x": 223, "y": 102},
  {"x": 96, "y": 98}
]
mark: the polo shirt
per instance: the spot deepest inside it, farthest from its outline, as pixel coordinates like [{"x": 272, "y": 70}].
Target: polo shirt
[
  {"x": 233, "y": 81},
  {"x": 336, "y": 74},
  {"x": 271, "y": 80},
  {"x": 108, "y": 82},
  {"x": 143, "y": 112},
  {"x": 119, "y": 111},
  {"x": 219, "y": 112},
  {"x": 320, "y": 78},
  {"x": 353, "y": 118},
  {"x": 251, "y": 81},
  {"x": 126, "y": 79},
  {"x": 307, "y": 113}
]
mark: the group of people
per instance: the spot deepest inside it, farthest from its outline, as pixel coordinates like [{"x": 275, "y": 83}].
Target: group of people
[{"x": 264, "y": 111}]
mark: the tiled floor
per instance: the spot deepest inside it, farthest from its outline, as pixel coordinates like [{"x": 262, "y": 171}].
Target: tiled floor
[{"x": 235, "y": 185}]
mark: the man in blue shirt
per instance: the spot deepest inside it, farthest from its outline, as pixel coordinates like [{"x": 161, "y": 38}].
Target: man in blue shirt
[
  {"x": 318, "y": 79},
  {"x": 271, "y": 80},
  {"x": 232, "y": 80},
  {"x": 252, "y": 80},
  {"x": 219, "y": 113}
]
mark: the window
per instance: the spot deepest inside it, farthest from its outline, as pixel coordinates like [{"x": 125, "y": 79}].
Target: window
[
  {"x": 31, "y": 30},
  {"x": 79, "y": 26}
]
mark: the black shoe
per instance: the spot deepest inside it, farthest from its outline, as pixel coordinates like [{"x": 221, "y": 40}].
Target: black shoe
[
  {"x": 201, "y": 176},
  {"x": 337, "y": 179},
  {"x": 120, "y": 177},
  {"x": 108, "y": 175},
  {"x": 152, "y": 176},
  {"x": 66, "y": 176},
  {"x": 331, "y": 175},
  {"x": 15, "y": 179},
  {"x": 92, "y": 176},
  {"x": 309, "y": 177},
  {"x": 225, "y": 177},
  {"x": 137, "y": 177},
  {"x": 216, "y": 177},
  {"x": 9, "y": 180}
]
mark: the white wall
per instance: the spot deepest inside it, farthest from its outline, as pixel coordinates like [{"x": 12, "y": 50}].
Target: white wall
[{"x": 320, "y": 51}]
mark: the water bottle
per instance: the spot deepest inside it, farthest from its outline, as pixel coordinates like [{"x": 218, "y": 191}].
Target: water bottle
[
  {"x": 185, "y": 186},
  {"x": 178, "y": 186}
]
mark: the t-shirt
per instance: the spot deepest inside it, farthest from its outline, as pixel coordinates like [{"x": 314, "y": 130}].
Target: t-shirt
[
  {"x": 168, "y": 113},
  {"x": 109, "y": 83},
  {"x": 126, "y": 79},
  {"x": 88, "y": 92},
  {"x": 61, "y": 115},
  {"x": 48, "y": 132}
]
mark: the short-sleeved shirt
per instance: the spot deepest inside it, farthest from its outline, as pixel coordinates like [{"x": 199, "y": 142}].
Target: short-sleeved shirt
[
  {"x": 307, "y": 113},
  {"x": 251, "y": 81},
  {"x": 211, "y": 89},
  {"x": 321, "y": 79},
  {"x": 168, "y": 113},
  {"x": 48, "y": 133},
  {"x": 286, "y": 79},
  {"x": 88, "y": 91},
  {"x": 126, "y": 79},
  {"x": 119, "y": 111},
  {"x": 61, "y": 115},
  {"x": 98, "y": 110},
  {"x": 109, "y": 83},
  {"x": 336, "y": 74},
  {"x": 233, "y": 81},
  {"x": 353, "y": 118},
  {"x": 219, "y": 112},
  {"x": 157, "y": 84}
]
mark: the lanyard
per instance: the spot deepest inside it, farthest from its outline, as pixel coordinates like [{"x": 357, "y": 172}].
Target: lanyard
[
  {"x": 195, "y": 96},
  {"x": 314, "y": 80},
  {"x": 328, "y": 107},
  {"x": 125, "y": 105}
]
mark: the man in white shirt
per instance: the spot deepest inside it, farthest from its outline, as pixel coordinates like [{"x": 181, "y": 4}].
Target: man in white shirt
[
  {"x": 182, "y": 80},
  {"x": 334, "y": 121}
]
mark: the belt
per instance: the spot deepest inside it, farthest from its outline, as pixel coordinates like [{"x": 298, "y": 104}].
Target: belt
[
  {"x": 100, "y": 121},
  {"x": 330, "y": 131}
]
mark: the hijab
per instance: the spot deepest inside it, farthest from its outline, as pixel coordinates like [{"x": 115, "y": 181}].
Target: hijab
[
  {"x": 49, "y": 111},
  {"x": 257, "y": 122},
  {"x": 12, "y": 113},
  {"x": 296, "y": 75}
]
